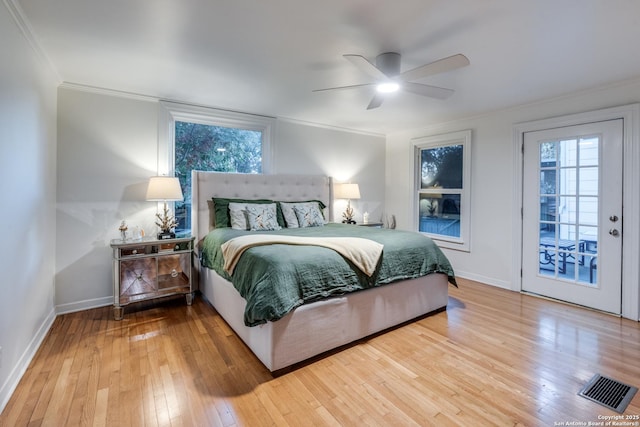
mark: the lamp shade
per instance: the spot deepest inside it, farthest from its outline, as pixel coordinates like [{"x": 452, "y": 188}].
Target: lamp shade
[
  {"x": 346, "y": 191},
  {"x": 163, "y": 188}
]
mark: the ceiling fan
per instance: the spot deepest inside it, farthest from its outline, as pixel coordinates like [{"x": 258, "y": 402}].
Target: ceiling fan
[{"x": 388, "y": 77}]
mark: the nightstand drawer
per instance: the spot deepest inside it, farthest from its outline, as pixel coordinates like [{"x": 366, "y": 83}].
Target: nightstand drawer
[
  {"x": 174, "y": 247},
  {"x": 137, "y": 279},
  {"x": 174, "y": 271},
  {"x": 130, "y": 251}
]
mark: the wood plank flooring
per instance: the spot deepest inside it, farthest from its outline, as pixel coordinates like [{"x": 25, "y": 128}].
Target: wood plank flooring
[{"x": 494, "y": 358}]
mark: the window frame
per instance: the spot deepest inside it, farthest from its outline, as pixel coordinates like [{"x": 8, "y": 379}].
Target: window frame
[
  {"x": 170, "y": 112},
  {"x": 463, "y": 243}
]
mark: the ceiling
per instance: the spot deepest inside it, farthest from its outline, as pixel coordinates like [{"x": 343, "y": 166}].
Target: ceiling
[{"x": 266, "y": 57}]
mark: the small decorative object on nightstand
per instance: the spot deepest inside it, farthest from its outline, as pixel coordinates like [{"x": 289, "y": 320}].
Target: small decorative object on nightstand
[
  {"x": 164, "y": 189},
  {"x": 150, "y": 268},
  {"x": 347, "y": 191},
  {"x": 123, "y": 230}
]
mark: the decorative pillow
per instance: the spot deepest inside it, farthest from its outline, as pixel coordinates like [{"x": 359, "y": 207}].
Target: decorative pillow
[
  {"x": 238, "y": 215},
  {"x": 308, "y": 215},
  {"x": 221, "y": 209},
  {"x": 262, "y": 217},
  {"x": 289, "y": 215}
]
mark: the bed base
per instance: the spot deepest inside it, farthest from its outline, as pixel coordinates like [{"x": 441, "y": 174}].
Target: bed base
[
  {"x": 336, "y": 321},
  {"x": 311, "y": 329}
]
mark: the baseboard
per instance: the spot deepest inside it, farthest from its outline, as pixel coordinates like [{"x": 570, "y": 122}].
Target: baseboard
[
  {"x": 486, "y": 280},
  {"x": 18, "y": 371},
  {"x": 72, "y": 307}
]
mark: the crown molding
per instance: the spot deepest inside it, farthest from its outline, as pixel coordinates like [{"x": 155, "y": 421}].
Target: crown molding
[
  {"x": 184, "y": 104},
  {"x": 109, "y": 92},
  {"x": 330, "y": 127},
  {"x": 25, "y": 27}
]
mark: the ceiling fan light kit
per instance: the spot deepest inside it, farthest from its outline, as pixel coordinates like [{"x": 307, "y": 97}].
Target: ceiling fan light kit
[
  {"x": 389, "y": 87},
  {"x": 389, "y": 78}
]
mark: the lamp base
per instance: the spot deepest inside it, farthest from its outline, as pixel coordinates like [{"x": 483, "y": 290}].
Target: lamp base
[{"x": 166, "y": 235}]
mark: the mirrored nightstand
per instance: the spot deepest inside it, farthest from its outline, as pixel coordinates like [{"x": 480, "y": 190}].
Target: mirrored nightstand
[{"x": 150, "y": 268}]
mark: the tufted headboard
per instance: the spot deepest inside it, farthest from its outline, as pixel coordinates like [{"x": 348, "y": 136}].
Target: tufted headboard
[{"x": 206, "y": 185}]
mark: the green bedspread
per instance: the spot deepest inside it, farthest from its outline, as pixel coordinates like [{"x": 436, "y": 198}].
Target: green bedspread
[{"x": 275, "y": 279}]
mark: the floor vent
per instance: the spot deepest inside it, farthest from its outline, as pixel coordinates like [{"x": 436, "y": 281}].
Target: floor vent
[{"x": 609, "y": 393}]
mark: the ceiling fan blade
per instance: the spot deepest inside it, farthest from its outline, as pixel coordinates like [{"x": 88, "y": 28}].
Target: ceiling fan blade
[
  {"x": 436, "y": 67},
  {"x": 427, "y": 90},
  {"x": 343, "y": 87},
  {"x": 365, "y": 66},
  {"x": 376, "y": 101}
]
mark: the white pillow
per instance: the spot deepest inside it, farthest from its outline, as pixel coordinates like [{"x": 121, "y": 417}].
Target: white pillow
[
  {"x": 238, "y": 216},
  {"x": 262, "y": 217},
  {"x": 290, "y": 218},
  {"x": 308, "y": 216}
]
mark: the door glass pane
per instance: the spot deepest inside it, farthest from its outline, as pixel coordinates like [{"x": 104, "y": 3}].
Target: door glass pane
[
  {"x": 588, "y": 210},
  {"x": 548, "y": 181},
  {"x": 568, "y": 222},
  {"x": 547, "y": 250},
  {"x": 589, "y": 181},
  {"x": 568, "y": 181},
  {"x": 567, "y": 153},
  {"x": 548, "y": 209},
  {"x": 589, "y": 151},
  {"x": 548, "y": 154},
  {"x": 567, "y": 210}
]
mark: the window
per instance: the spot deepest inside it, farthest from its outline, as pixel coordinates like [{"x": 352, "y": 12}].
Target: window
[
  {"x": 198, "y": 138},
  {"x": 442, "y": 177}
]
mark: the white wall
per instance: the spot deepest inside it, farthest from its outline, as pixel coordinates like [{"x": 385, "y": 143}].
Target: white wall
[
  {"x": 492, "y": 175},
  {"x": 346, "y": 156},
  {"x": 27, "y": 187},
  {"x": 107, "y": 150}
]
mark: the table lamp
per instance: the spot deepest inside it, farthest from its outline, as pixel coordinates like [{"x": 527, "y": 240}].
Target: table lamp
[
  {"x": 347, "y": 191},
  {"x": 164, "y": 189}
]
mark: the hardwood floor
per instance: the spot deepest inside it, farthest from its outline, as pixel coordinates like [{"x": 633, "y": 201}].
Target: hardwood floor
[{"x": 495, "y": 357}]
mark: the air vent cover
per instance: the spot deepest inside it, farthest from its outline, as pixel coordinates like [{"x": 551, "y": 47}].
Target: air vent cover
[{"x": 609, "y": 393}]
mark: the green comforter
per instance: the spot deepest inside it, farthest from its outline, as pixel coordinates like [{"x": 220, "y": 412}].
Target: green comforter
[{"x": 275, "y": 279}]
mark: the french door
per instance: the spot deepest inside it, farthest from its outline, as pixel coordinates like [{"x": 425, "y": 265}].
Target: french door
[{"x": 572, "y": 214}]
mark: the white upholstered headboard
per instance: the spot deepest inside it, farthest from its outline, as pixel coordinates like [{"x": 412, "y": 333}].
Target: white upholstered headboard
[{"x": 206, "y": 185}]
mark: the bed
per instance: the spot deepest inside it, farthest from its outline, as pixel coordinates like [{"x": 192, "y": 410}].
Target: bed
[{"x": 321, "y": 324}]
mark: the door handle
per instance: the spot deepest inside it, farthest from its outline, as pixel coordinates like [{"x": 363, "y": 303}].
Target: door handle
[
  {"x": 613, "y": 218},
  {"x": 614, "y": 232}
]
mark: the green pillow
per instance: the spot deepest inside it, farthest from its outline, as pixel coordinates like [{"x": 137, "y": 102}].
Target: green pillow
[{"x": 221, "y": 209}]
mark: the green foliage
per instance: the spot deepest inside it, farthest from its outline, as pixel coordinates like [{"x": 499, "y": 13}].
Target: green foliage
[
  {"x": 442, "y": 167},
  {"x": 215, "y": 148},
  {"x": 212, "y": 148},
  {"x": 548, "y": 151}
]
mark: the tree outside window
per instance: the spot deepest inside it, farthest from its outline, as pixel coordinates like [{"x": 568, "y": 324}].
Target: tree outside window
[
  {"x": 212, "y": 148},
  {"x": 206, "y": 139}
]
